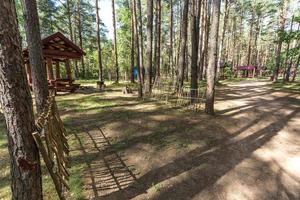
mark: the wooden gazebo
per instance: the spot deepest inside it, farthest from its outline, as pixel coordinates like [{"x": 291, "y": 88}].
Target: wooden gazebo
[
  {"x": 247, "y": 71},
  {"x": 57, "y": 49}
]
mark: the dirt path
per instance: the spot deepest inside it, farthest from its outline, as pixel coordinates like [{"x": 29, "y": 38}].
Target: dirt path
[{"x": 147, "y": 150}]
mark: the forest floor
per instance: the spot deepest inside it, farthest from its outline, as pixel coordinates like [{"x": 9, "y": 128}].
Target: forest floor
[{"x": 124, "y": 148}]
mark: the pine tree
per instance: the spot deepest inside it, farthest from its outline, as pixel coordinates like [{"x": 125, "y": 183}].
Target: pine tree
[
  {"x": 17, "y": 107},
  {"x": 149, "y": 45},
  {"x": 212, "y": 58}
]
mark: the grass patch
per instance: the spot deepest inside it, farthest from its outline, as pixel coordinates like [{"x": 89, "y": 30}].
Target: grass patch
[
  {"x": 79, "y": 103},
  {"x": 238, "y": 79},
  {"x": 289, "y": 86},
  {"x": 87, "y": 82},
  {"x": 123, "y": 84},
  {"x": 4, "y": 162}
]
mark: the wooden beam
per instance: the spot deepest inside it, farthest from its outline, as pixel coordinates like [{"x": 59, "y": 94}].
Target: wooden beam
[
  {"x": 49, "y": 69},
  {"x": 68, "y": 70},
  {"x": 60, "y": 54},
  {"x": 57, "y": 70},
  {"x": 61, "y": 37}
]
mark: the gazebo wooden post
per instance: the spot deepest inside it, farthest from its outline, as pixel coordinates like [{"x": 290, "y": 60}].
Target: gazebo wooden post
[
  {"x": 49, "y": 69},
  {"x": 57, "y": 70},
  {"x": 254, "y": 72},
  {"x": 68, "y": 70}
]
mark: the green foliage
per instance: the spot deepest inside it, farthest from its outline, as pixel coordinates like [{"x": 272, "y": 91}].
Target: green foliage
[
  {"x": 48, "y": 13},
  {"x": 262, "y": 14},
  {"x": 124, "y": 35},
  {"x": 228, "y": 71}
]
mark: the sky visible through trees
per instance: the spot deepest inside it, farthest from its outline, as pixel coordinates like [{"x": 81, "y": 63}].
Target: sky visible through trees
[{"x": 248, "y": 36}]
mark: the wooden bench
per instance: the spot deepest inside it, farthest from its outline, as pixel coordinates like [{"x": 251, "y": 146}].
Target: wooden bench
[{"x": 64, "y": 85}]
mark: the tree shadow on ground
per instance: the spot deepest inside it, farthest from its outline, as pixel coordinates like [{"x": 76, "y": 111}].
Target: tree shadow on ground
[
  {"x": 105, "y": 173},
  {"x": 216, "y": 160},
  {"x": 204, "y": 166}
]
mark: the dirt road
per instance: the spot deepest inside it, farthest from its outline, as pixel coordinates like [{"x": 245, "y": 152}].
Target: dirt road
[{"x": 249, "y": 150}]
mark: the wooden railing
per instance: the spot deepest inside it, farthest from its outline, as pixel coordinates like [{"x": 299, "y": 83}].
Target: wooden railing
[{"x": 51, "y": 139}]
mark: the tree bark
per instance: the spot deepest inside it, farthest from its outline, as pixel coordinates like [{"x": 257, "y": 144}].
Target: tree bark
[
  {"x": 240, "y": 47},
  {"x": 279, "y": 46},
  {"x": 71, "y": 31},
  {"x": 195, "y": 46},
  {"x": 177, "y": 42},
  {"x": 69, "y": 19},
  {"x": 135, "y": 21},
  {"x": 221, "y": 52},
  {"x": 132, "y": 45},
  {"x": 207, "y": 32},
  {"x": 158, "y": 50},
  {"x": 99, "y": 42},
  {"x": 115, "y": 40},
  {"x": 141, "y": 42},
  {"x": 289, "y": 65},
  {"x": 149, "y": 45},
  {"x": 296, "y": 68},
  {"x": 212, "y": 58},
  {"x": 171, "y": 63},
  {"x": 201, "y": 40},
  {"x": 250, "y": 40},
  {"x": 16, "y": 104},
  {"x": 79, "y": 25},
  {"x": 39, "y": 74},
  {"x": 155, "y": 40},
  {"x": 256, "y": 41},
  {"x": 182, "y": 60}
]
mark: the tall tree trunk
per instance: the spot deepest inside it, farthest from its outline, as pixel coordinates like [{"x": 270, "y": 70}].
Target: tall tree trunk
[
  {"x": 250, "y": 40},
  {"x": 201, "y": 40},
  {"x": 69, "y": 20},
  {"x": 77, "y": 73},
  {"x": 99, "y": 42},
  {"x": 287, "y": 65},
  {"x": 39, "y": 74},
  {"x": 136, "y": 33},
  {"x": 132, "y": 45},
  {"x": 178, "y": 42},
  {"x": 279, "y": 45},
  {"x": 155, "y": 41},
  {"x": 221, "y": 52},
  {"x": 115, "y": 40},
  {"x": 256, "y": 41},
  {"x": 79, "y": 25},
  {"x": 207, "y": 32},
  {"x": 195, "y": 42},
  {"x": 240, "y": 47},
  {"x": 235, "y": 38},
  {"x": 71, "y": 32},
  {"x": 141, "y": 42},
  {"x": 296, "y": 68},
  {"x": 149, "y": 45},
  {"x": 171, "y": 63},
  {"x": 158, "y": 50},
  {"x": 182, "y": 58},
  {"x": 212, "y": 58},
  {"x": 16, "y": 103}
]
